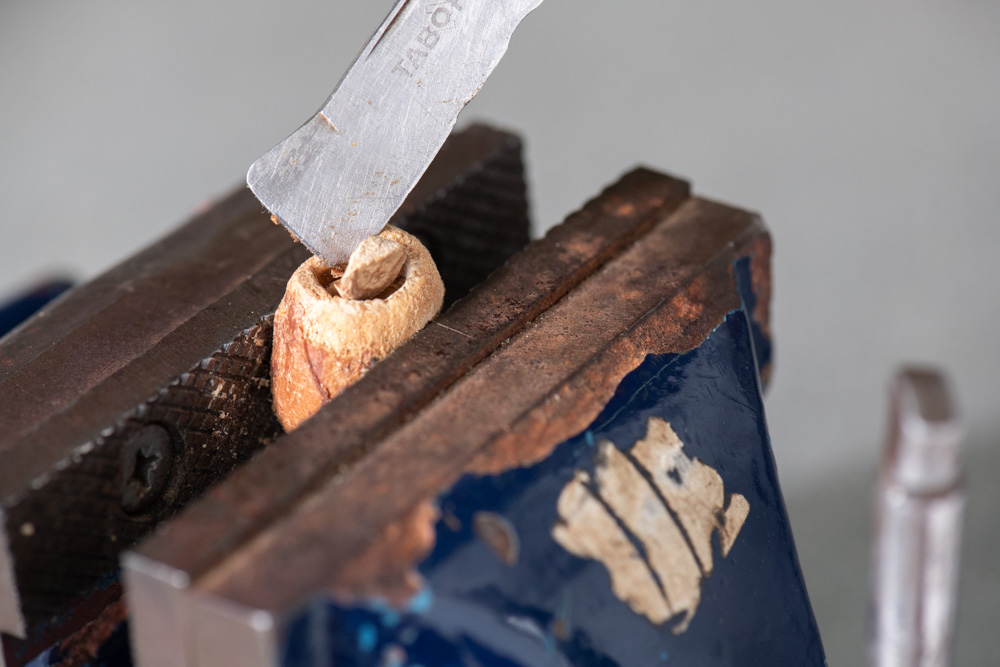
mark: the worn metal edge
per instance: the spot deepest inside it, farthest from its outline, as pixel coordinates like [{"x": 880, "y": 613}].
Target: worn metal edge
[
  {"x": 234, "y": 579},
  {"x": 675, "y": 193},
  {"x": 243, "y": 507},
  {"x": 540, "y": 413},
  {"x": 157, "y": 589}
]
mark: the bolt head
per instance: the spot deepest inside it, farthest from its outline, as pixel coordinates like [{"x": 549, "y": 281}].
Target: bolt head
[{"x": 147, "y": 461}]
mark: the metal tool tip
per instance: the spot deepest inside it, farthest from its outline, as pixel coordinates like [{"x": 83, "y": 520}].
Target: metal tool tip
[{"x": 923, "y": 453}]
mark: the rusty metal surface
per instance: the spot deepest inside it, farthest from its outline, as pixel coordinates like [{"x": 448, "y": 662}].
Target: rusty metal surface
[
  {"x": 662, "y": 295},
  {"x": 405, "y": 382},
  {"x": 176, "y": 340},
  {"x": 339, "y": 177},
  {"x": 344, "y": 503}
]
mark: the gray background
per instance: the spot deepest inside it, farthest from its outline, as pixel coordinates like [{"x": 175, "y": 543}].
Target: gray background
[{"x": 865, "y": 132}]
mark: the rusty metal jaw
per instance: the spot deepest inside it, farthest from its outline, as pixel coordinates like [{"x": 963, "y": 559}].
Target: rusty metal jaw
[
  {"x": 130, "y": 396},
  {"x": 350, "y": 503}
]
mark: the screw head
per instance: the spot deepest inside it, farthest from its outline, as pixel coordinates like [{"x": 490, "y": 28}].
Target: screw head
[{"x": 147, "y": 460}]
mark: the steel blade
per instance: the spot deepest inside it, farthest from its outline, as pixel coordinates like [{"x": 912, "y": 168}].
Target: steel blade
[{"x": 339, "y": 178}]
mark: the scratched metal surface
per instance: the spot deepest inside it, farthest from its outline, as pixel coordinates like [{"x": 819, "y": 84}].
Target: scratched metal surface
[{"x": 526, "y": 600}]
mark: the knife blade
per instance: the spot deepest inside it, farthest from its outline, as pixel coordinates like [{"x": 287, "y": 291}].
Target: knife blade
[{"x": 340, "y": 177}]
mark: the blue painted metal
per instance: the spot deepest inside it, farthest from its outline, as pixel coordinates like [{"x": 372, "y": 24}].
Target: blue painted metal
[
  {"x": 24, "y": 306},
  {"x": 551, "y": 607}
]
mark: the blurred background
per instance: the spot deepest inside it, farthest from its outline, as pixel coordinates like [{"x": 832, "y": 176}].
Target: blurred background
[{"x": 866, "y": 133}]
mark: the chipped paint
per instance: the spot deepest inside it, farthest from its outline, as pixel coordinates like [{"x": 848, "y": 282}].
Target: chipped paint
[
  {"x": 554, "y": 607},
  {"x": 648, "y": 515},
  {"x": 499, "y": 535}
]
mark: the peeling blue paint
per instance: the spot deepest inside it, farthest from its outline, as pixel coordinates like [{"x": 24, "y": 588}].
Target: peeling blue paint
[{"x": 552, "y": 608}]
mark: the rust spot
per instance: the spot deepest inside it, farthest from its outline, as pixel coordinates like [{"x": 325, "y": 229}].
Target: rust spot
[
  {"x": 677, "y": 327},
  {"x": 387, "y": 567},
  {"x": 81, "y": 648},
  {"x": 499, "y": 535},
  {"x": 453, "y": 522},
  {"x": 560, "y": 628}
]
